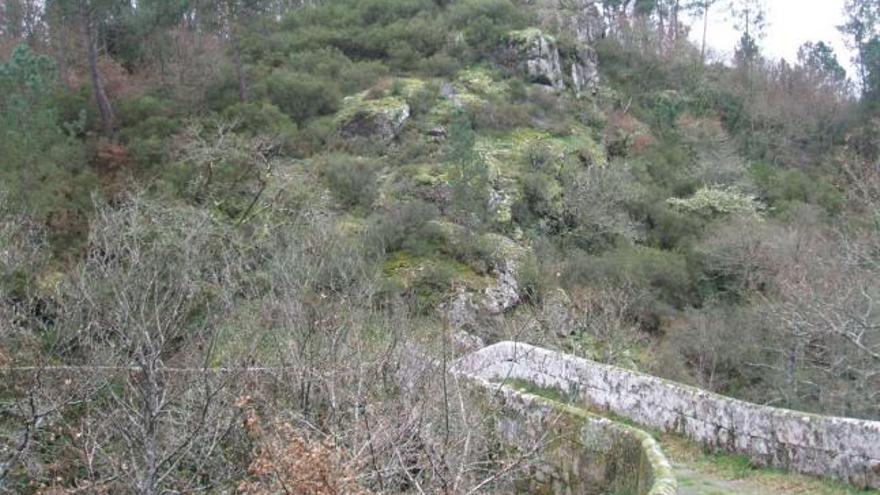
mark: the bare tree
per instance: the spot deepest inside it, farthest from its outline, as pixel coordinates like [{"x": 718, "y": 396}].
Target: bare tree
[
  {"x": 139, "y": 312},
  {"x": 810, "y": 327}
]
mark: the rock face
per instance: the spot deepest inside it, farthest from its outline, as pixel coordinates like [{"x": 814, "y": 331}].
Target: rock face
[
  {"x": 500, "y": 295},
  {"x": 505, "y": 293},
  {"x": 584, "y": 70},
  {"x": 541, "y": 57},
  {"x": 380, "y": 119},
  {"x": 536, "y": 54},
  {"x": 582, "y": 21}
]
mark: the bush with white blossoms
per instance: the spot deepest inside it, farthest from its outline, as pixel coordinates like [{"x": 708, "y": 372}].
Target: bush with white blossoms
[{"x": 713, "y": 201}]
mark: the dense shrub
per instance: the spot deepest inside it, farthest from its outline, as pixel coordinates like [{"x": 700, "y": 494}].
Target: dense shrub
[
  {"x": 485, "y": 22},
  {"x": 439, "y": 65},
  {"x": 353, "y": 180},
  {"x": 403, "y": 226},
  {"x": 302, "y": 96},
  {"x": 264, "y": 119},
  {"x": 315, "y": 135},
  {"x": 332, "y": 64},
  {"x": 221, "y": 91},
  {"x": 785, "y": 188},
  {"x": 134, "y": 110},
  {"x": 668, "y": 228},
  {"x": 499, "y": 114},
  {"x": 666, "y": 273}
]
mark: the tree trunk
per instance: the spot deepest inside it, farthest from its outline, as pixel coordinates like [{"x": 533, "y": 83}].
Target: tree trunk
[
  {"x": 151, "y": 405},
  {"x": 239, "y": 70},
  {"x": 675, "y": 11},
  {"x": 105, "y": 109},
  {"x": 663, "y": 30},
  {"x": 63, "y": 67},
  {"x": 706, "y": 6}
]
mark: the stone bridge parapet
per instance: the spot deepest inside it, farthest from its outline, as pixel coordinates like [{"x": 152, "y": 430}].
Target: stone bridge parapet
[{"x": 842, "y": 448}]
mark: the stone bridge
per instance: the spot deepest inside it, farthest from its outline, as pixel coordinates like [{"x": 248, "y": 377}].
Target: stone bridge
[{"x": 606, "y": 456}]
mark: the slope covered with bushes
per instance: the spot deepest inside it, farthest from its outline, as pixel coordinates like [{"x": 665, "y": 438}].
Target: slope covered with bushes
[{"x": 325, "y": 189}]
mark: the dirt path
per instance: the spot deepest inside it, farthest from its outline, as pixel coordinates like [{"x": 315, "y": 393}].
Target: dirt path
[{"x": 693, "y": 482}]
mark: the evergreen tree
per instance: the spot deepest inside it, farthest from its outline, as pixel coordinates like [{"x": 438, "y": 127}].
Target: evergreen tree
[
  {"x": 38, "y": 155},
  {"x": 750, "y": 18},
  {"x": 863, "y": 29},
  {"x": 820, "y": 62},
  {"x": 469, "y": 174}
]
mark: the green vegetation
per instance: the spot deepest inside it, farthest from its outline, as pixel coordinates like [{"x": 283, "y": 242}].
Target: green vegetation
[
  {"x": 550, "y": 393},
  {"x": 316, "y": 189}
]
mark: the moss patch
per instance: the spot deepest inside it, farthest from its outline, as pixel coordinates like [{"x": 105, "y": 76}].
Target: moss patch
[
  {"x": 507, "y": 154},
  {"x": 471, "y": 88},
  {"x": 527, "y": 35},
  {"x": 405, "y": 269},
  {"x": 555, "y": 394},
  {"x": 358, "y": 105}
]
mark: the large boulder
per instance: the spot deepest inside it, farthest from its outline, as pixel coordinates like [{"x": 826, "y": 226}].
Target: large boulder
[
  {"x": 381, "y": 119},
  {"x": 536, "y": 54}
]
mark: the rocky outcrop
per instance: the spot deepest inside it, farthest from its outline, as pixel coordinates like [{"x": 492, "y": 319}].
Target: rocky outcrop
[
  {"x": 507, "y": 257},
  {"x": 536, "y": 55},
  {"x": 501, "y": 294},
  {"x": 539, "y": 57},
  {"x": 381, "y": 119},
  {"x": 583, "y": 70},
  {"x": 545, "y": 60}
]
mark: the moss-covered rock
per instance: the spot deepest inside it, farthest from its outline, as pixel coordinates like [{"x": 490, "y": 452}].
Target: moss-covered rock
[
  {"x": 380, "y": 112},
  {"x": 381, "y": 118},
  {"x": 579, "y": 23},
  {"x": 536, "y": 55}
]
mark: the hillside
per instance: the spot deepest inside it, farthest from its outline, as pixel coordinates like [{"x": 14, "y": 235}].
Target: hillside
[{"x": 234, "y": 234}]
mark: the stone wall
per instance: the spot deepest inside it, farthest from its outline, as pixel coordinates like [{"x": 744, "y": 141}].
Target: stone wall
[
  {"x": 842, "y": 448},
  {"x": 571, "y": 451}
]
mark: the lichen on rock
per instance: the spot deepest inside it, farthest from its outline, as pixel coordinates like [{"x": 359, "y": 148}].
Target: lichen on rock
[
  {"x": 536, "y": 54},
  {"x": 381, "y": 118}
]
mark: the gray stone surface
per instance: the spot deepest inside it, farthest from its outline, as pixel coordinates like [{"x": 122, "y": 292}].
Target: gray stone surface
[
  {"x": 536, "y": 55},
  {"x": 381, "y": 119},
  {"x": 572, "y": 451},
  {"x": 842, "y": 448},
  {"x": 584, "y": 72},
  {"x": 580, "y": 21}
]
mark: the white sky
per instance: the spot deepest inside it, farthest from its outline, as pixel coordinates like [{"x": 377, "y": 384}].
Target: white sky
[{"x": 790, "y": 24}]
